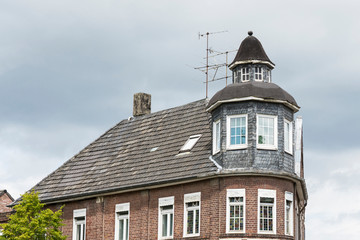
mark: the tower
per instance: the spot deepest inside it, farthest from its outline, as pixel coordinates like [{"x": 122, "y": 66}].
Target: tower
[{"x": 253, "y": 139}]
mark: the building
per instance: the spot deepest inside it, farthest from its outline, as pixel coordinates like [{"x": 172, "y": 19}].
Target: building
[
  {"x": 229, "y": 167},
  {"x": 5, "y": 211}
]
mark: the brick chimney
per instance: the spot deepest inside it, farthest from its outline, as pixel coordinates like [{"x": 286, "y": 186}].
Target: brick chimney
[{"x": 142, "y": 104}]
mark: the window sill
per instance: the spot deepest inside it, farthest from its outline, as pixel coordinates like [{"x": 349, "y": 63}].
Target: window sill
[
  {"x": 266, "y": 147},
  {"x": 234, "y": 232},
  {"x": 266, "y": 232},
  {"x": 192, "y": 235},
  {"x": 236, "y": 147}
]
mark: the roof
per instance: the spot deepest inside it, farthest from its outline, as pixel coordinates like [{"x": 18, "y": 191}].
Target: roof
[
  {"x": 251, "y": 49},
  {"x": 4, "y": 191},
  {"x": 138, "y": 152},
  {"x": 252, "y": 90}
]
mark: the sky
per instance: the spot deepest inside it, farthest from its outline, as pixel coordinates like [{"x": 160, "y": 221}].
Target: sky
[{"x": 69, "y": 69}]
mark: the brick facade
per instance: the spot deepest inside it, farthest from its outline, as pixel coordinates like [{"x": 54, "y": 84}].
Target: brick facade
[{"x": 100, "y": 212}]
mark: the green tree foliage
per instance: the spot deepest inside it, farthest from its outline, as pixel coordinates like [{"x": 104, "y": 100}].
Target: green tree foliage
[{"x": 32, "y": 222}]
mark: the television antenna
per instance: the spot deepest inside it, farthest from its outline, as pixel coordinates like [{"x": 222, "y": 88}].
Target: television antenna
[{"x": 208, "y": 50}]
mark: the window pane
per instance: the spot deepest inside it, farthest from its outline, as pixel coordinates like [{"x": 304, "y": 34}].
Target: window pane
[
  {"x": 121, "y": 229},
  {"x": 190, "y": 222},
  {"x": 164, "y": 225},
  {"x": 171, "y": 224},
  {"x": 197, "y": 221}
]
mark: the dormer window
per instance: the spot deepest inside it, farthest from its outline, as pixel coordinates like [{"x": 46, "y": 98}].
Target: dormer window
[
  {"x": 245, "y": 74},
  {"x": 236, "y": 133},
  {"x": 258, "y": 74},
  {"x": 190, "y": 143}
]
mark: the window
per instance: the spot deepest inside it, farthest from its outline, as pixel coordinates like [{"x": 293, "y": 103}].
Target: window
[
  {"x": 192, "y": 214},
  {"x": 245, "y": 74},
  {"x": 216, "y": 136},
  {"x": 267, "y": 211},
  {"x": 236, "y": 131},
  {"x": 79, "y": 230},
  {"x": 190, "y": 143},
  {"x": 289, "y": 213},
  {"x": 268, "y": 75},
  {"x": 122, "y": 221},
  {"x": 166, "y": 218},
  {"x": 235, "y": 210},
  {"x": 258, "y": 74},
  {"x": 288, "y": 140},
  {"x": 266, "y": 132}
]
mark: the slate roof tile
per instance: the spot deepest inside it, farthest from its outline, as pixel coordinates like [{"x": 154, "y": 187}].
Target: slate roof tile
[{"x": 122, "y": 158}]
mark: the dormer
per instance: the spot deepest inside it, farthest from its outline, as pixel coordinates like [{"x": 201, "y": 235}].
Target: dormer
[{"x": 251, "y": 62}]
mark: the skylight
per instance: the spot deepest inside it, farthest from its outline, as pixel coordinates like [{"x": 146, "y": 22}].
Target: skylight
[{"x": 190, "y": 143}]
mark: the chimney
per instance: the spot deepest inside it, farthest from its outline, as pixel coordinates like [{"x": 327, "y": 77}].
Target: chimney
[{"x": 142, "y": 104}]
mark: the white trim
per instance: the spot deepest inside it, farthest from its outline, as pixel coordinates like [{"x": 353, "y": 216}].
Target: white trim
[
  {"x": 269, "y": 194},
  {"x": 77, "y": 213},
  {"x": 228, "y": 133},
  {"x": 235, "y": 193},
  {"x": 291, "y": 106},
  {"x": 215, "y": 137},
  {"x": 166, "y": 201},
  {"x": 216, "y": 164},
  {"x": 122, "y": 207},
  {"x": 245, "y": 74},
  {"x": 267, "y": 146},
  {"x": 290, "y": 136},
  {"x": 191, "y": 197},
  {"x": 250, "y": 62},
  {"x": 289, "y": 197}
]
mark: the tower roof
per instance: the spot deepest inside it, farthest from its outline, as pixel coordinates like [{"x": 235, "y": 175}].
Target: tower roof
[
  {"x": 258, "y": 91},
  {"x": 251, "y": 51}
]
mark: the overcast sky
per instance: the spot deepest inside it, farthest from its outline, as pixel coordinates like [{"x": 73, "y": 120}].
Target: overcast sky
[{"x": 68, "y": 70}]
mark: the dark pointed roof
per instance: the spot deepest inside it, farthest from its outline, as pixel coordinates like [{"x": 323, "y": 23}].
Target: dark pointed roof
[
  {"x": 262, "y": 91},
  {"x": 251, "y": 50}
]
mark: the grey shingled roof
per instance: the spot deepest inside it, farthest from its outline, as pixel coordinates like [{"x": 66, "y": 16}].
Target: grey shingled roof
[{"x": 121, "y": 158}]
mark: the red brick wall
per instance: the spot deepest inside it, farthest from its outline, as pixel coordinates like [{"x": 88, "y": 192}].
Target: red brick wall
[
  {"x": 4, "y": 201},
  {"x": 100, "y": 217}
]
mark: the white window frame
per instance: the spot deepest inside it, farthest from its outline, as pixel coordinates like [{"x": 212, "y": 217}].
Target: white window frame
[
  {"x": 267, "y": 193},
  {"x": 228, "y": 132},
  {"x": 289, "y": 197},
  {"x": 275, "y": 127},
  {"x": 259, "y": 74},
  {"x": 216, "y": 137},
  {"x": 79, "y": 213},
  {"x": 235, "y": 193},
  {"x": 163, "y": 202},
  {"x": 119, "y": 208},
  {"x": 269, "y": 75},
  {"x": 288, "y": 137},
  {"x": 190, "y": 143},
  {"x": 245, "y": 74},
  {"x": 192, "y": 197}
]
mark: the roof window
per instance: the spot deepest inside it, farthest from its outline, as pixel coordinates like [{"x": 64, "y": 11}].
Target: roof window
[{"x": 190, "y": 143}]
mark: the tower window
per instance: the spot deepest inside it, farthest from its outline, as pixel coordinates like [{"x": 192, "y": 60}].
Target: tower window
[
  {"x": 192, "y": 214},
  {"x": 216, "y": 136},
  {"x": 289, "y": 213},
  {"x": 267, "y": 211},
  {"x": 258, "y": 74},
  {"x": 235, "y": 211},
  {"x": 236, "y": 131},
  {"x": 266, "y": 132},
  {"x": 245, "y": 74},
  {"x": 288, "y": 143}
]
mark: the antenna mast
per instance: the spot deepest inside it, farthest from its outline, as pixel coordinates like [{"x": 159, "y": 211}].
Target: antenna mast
[{"x": 207, "y": 55}]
